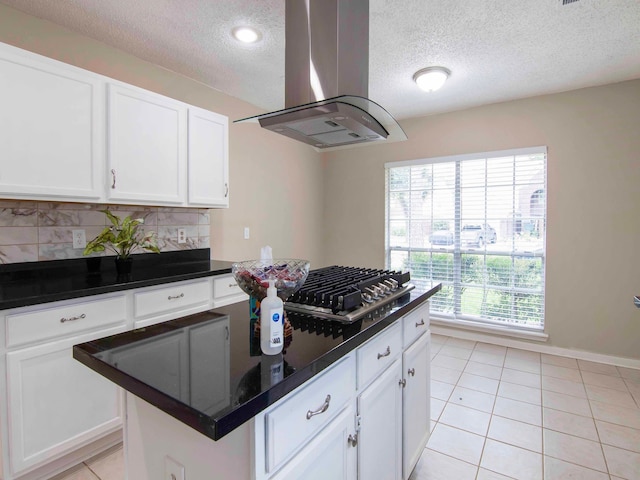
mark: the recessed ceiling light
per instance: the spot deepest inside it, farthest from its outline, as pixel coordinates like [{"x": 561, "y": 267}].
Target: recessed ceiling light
[
  {"x": 246, "y": 34},
  {"x": 431, "y": 79}
]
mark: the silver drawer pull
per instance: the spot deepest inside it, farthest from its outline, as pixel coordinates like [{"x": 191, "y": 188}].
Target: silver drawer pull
[
  {"x": 385, "y": 354},
  {"x": 322, "y": 409},
  {"x": 420, "y": 323},
  {"x": 231, "y": 285},
  {"x": 402, "y": 383},
  {"x": 175, "y": 297},
  {"x": 71, "y": 319},
  {"x": 353, "y": 440},
  {"x": 411, "y": 371}
]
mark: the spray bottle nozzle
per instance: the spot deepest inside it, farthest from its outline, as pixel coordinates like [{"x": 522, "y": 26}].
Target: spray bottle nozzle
[{"x": 272, "y": 290}]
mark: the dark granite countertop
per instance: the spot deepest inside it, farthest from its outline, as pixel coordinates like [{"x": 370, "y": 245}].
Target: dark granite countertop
[
  {"x": 33, "y": 283},
  {"x": 206, "y": 369}
]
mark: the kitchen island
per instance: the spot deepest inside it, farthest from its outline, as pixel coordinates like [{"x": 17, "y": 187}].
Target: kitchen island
[{"x": 202, "y": 400}]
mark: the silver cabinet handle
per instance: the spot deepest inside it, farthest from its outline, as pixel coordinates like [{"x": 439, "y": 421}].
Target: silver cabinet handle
[
  {"x": 411, "y": 371},
  {"x": 113, "y": 175},
  {"x": 231, "y": 285},
  {"x": 322, "y": 409},
  {"x": 385, "y": 354},
  {"x": 71, "y": 319},
  {"x": 420, "y": 323},
  {"x": 353, "y": 439},
  {"x": 174, "y": 297},
  {"x": 226, "y": 190},
  {"x": 402, "y": 383}
]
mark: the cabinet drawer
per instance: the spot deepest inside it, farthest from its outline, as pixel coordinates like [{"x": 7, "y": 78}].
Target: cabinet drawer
[
  {"x": 64, "y": 320},
  {"x": 378, "y": 353},
  {"x": 415, "y": 324},
  {"x": 292, "y": 423},
  {"x": 226, "y": 291},
  {"x": 174, "y": 297}
]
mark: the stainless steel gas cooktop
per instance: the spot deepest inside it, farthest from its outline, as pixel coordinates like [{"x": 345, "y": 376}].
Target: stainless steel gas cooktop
[{"x": 347, "y": 294}]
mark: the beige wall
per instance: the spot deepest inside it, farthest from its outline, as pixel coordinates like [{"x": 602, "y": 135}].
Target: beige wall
[
  {"x": 593, "y": 262},
  {"x": 332, "y": 211},
  {"x": 276, "y": 184}
]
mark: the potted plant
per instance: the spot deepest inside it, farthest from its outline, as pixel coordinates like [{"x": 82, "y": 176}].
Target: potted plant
[{"x": 122, "y": 237}]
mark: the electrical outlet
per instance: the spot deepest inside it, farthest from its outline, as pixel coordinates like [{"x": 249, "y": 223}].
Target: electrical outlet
[
  {"x": 79, "y": 238},
  {"x": 172, "y": 469},
  {"x": 182, "y": 235},
  {"x": 246, "y": 233}
]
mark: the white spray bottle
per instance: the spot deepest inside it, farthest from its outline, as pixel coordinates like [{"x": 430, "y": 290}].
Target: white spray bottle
[{"x": 271, "y": 321}]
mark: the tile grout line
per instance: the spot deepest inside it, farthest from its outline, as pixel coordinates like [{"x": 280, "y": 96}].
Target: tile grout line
[
  {"x": 542, "y": 407},
  {"x": 595, "y": 424},
  {"x": 91, "y": 470}
]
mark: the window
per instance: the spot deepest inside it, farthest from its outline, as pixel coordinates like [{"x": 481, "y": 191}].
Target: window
[{"x": 476, "y": 224}]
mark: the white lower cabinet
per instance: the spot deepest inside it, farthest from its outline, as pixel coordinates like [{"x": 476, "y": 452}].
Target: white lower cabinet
[
  {"x": 415, "y": 402},
  {"x": 381, "y": 430},
  {"x": 227, "y": 291},
  {"x": 330, "y": 455},
  {"x": 56, "y": 404},
  {"x": 56, "y": 412},
  {"x": 380, "y": 422}
]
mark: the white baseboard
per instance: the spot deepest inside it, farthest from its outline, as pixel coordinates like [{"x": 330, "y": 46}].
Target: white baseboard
[
  {"x": 57, "y": 467},
  {"x": 439, "y": 328}
]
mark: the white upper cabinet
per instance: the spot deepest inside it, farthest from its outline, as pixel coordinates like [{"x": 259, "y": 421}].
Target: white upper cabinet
[
  {"x": 146, "y": 145},
  {"x": 68, "y": 134},
  {"x": 51, "y": 129},
  {"x": 208, "y": 158}
]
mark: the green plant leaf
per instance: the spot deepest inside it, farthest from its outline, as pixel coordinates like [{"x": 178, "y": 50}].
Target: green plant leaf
[{"x": 123, "y": 237}]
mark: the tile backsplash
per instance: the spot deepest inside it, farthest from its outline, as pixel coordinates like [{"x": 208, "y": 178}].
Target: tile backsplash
[{"x": 32, "y": 231}]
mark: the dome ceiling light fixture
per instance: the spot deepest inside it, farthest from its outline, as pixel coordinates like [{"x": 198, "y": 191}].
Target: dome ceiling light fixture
[
  {"x": 246, "y": 34},
  {"x": 431, "y": 79}
]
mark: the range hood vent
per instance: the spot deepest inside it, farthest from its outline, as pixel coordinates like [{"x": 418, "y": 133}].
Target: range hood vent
[{"x": 326, "y": 78}]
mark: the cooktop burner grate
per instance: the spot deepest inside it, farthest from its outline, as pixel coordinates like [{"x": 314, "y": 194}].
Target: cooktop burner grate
[{"x": 347, "y": 293}]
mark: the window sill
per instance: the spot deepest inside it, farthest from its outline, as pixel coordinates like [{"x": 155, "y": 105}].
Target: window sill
[{"x": 505, "y": 331}]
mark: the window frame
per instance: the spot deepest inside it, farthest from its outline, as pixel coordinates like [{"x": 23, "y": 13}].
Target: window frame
[{"x": 458, "y": 250}]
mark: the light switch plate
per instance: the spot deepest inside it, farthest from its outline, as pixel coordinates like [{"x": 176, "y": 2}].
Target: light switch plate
[
  {"x": 246, "y": 233},
  {"x": 172, "y": 469}
]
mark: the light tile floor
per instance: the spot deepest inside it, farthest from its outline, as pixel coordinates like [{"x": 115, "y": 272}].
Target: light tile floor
[{"x": 501, "y": 413}]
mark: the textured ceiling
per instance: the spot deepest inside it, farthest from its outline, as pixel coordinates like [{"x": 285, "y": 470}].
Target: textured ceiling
[{"x": 496, "y": 50}]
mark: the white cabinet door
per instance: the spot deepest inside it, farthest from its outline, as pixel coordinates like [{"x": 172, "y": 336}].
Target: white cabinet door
[
  {"x": 415, "y": 402},
  {"x": 147, "y": 143},
  {"x": 51, "y": 128},
  {"x": 208, "y": 163},
  {"x": 329, "y": 455},
  {"x": 56, "y": 404},
  {"x": 380, "y": 436}
]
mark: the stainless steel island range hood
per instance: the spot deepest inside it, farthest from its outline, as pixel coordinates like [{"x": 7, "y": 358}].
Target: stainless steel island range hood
[{"x": 327, "y": 76}]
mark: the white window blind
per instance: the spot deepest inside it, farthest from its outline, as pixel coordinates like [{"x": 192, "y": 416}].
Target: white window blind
[{"x": 476, "y": 224}]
